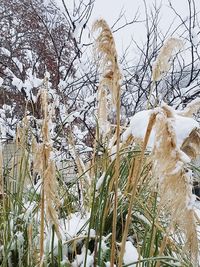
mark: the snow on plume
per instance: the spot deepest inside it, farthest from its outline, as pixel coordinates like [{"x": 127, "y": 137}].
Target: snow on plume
[{"x": 138, "y": 125}]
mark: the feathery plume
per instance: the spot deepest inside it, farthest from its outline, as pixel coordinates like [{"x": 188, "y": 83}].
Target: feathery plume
[
  {"x": 105, "y": 48},
  {"x": 161, "y": 66},
  {"x": 192, "y": 108},
  {"x": 191, "y": 145},
  {"x": 45, "y": 166},
  {"x": 174, "y": 181}
]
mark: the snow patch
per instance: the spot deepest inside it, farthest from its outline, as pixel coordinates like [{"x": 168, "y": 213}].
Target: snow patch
[
  {"x": 100, "y": 181},
  {"x": 139, "y": 122},
  {"x": 131, "y": 255},
  {"x": 1, "y": 81}
]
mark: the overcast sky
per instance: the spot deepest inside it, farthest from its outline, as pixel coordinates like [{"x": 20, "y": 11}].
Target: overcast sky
[{"x": 110, "y": 10}]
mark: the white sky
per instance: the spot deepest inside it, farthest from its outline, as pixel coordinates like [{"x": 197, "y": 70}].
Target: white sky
[{"x": 110, "y": 10}]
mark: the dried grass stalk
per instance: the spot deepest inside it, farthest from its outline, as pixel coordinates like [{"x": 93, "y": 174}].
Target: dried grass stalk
[
  {"x": 105, "y": 48},
  {"x": 51, "y": 195},
  {"x": 161, "y": 66},
  {"x": 174, "y": 182},
  {"x": 20, "y": 155},
  {"x": 45, "y": 166}
]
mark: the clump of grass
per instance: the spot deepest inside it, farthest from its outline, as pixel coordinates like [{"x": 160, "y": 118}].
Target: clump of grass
[
  {"x": 125, "y": 193},
  {"x": 105, "y": 47}
]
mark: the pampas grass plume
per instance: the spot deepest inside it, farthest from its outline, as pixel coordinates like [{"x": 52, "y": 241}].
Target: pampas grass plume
[
  {"x": 105, "y": 48},
  {"x": 174, "y": 182},
  {"x": 161, "y": 66}
]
